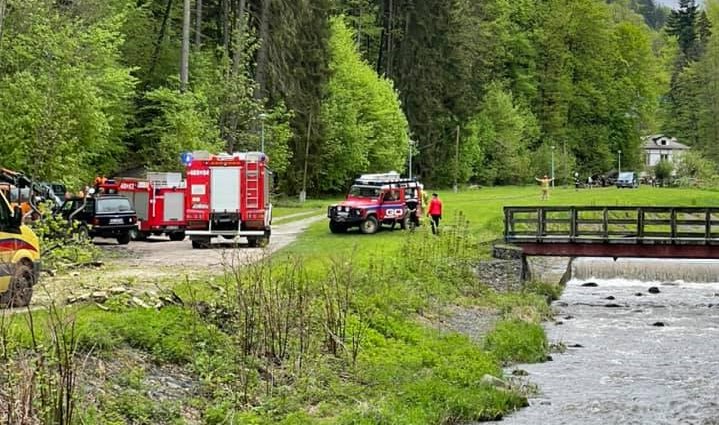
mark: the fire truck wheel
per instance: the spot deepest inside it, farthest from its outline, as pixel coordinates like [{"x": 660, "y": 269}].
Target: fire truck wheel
[
  {"x": 82, "y": 233},
  {"x": 124, "y": 238},
  {"x": 337, "y": 227},
  {"x": 200, "y": 244},
  {"x": 177, "y": 236},
  {"x": 137, "y": 235},
  {"x": 20, "y": 292},
  {"x": 369, "y": 226}
]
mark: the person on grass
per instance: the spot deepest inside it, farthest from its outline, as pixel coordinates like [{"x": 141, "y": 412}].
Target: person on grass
[
  {"x": 544, "y": 182},
  {"x": 435, "y": 212}
]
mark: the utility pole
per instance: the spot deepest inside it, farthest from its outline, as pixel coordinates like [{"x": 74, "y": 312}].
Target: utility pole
[
  {"x": 411, "y": 145},
  {"x": 566, "y": 168},
  {"x": 303, "y": 193},
  {"x": 553, "y": 165},
  {"x": 619, "y": 168},
  {"x": 185, "y": 53},
  {"x": 456, "y": 162},
  {"x": 262, "y": 118}
]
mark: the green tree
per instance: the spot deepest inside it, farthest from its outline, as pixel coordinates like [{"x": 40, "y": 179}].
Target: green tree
[
  {"x": 65, "y": 94},
  {"x": 366, "y": 130},
  {"x": 663, "y": 170}
]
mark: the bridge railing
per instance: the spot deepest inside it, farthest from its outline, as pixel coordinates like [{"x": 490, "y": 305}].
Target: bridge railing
[{"x": 617, "y": 225}]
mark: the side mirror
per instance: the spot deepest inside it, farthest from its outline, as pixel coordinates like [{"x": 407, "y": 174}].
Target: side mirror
[{"x": 17, "y": 217}]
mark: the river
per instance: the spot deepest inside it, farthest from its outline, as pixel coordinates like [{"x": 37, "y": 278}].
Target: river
[{"x": 621, "y": 366}]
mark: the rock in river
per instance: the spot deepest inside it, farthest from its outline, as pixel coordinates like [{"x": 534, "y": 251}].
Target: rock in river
[
  {"x": 659, "y": 324},
  {"x": 654, "y": 290},
  {"x": 590, "y": 285}
]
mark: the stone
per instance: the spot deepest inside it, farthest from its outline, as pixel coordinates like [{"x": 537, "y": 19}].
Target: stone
[
  {"x": 612, "y": 305},
  {"x": 576, "y": 346},
  {"x": 138, "y": 302},
  {"x": 118, "y": 290},
  {"x": 99, "y": 296},
  {"x": 590, "y": 285},
  {"x": 558, "y": 322},
  {"x": 610, "y": 298},
  {"x": 520, "y": 372},
  {"x": 568, "y": 317},
  {"x": 654, "y": 290},
  {"x": 659, "y": 324},
  {"x": 493, "y": 381},
  {"x": 638, "y": 294},
  {"x": 102, "y": 307}
]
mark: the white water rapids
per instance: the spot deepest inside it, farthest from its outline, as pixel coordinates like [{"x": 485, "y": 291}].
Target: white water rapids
[{"x": 621, "y": 367}]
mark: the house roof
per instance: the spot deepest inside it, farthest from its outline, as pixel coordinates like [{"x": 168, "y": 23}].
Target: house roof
[{"x": 660, "y": 141}]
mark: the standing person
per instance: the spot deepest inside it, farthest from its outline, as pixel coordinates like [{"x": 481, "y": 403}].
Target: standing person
[
  {"x": 412, "y": 212},
  {"x": 435, "y": 212},
  {"x": 576, "y": 180},
  {"x": 544, "y": 182}
]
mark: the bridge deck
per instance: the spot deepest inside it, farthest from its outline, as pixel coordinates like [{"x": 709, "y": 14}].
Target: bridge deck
[{"x": 658, "y": 232}]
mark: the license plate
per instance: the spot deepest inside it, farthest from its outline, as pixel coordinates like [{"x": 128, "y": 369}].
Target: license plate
[
  {"x": 343, "y": 214},
  {"x": 117, "y": 221},
  {"x": 171, "y": 227}
]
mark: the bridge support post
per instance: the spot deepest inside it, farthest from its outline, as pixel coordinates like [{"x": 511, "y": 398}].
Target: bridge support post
[
  {"x": 567, "y": 276},
  {"x": 526, "y": 272}
]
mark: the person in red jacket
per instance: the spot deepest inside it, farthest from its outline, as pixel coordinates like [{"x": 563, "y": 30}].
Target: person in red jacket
[{"x": 435, "y": 212}]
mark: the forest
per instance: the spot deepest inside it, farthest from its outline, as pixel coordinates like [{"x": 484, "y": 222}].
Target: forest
[{"x": 476, "y": 92}]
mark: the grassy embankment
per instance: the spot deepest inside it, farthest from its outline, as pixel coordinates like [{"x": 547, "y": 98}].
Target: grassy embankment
[{"x": 341, "y": 328}]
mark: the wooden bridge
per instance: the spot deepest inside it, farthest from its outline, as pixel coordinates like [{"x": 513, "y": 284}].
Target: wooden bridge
[{"x": 643, "y": 232}]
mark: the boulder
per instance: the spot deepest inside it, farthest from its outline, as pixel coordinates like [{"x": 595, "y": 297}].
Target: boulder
[
  {"x": 99, "y": 296},
  {"x": 610, "y": 298},
  {"x": 654, "y": 290},
  {"x": 493, "y": 381},
  {"x": 659, "y": 324},
  {"x": 612, "y": 305},
  {"x": 519, "y": 372},
  {"x": 590, "y": 285}
]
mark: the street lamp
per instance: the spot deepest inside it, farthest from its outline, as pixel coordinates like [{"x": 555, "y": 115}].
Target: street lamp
[
  {"x": 619, "y": 152},
  {"x": 412, "y": 144},
  {"x": 553, "y": 147},
  {"x": 262, "y": 118}
]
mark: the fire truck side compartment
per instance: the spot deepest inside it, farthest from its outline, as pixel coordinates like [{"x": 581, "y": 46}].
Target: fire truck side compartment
[{"x": 174, "y": 206}]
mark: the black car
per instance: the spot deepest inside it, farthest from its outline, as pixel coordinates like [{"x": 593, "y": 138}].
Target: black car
[{"x": 106, "y": 216}]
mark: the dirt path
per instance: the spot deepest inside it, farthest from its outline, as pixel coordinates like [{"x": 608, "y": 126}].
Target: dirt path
[{"x": 145, "y": 266}]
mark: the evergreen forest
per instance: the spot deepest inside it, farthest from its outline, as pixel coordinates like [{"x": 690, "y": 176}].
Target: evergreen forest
[{"x": 477, "y": 92}]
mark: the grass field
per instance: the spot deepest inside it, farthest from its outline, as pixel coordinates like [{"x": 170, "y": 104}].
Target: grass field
[{"x": 334, "y": 329}]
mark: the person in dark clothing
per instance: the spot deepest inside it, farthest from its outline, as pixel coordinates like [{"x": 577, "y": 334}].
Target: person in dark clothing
[{"x": 412, "y": 213}]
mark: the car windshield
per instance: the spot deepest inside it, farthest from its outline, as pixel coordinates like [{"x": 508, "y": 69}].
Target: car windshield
[
  {"x": 626, "y": 176},
  {"x": 365, "y": 192},
  {"x": 111, "y": 205}
]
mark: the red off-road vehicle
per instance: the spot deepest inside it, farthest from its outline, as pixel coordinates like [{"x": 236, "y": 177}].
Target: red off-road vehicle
[{"x": 375, "y": 200}]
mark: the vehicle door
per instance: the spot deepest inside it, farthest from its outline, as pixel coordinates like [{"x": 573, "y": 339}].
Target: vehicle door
[
  {"x": 392, "y": 205},
  {"x": 9, "y": 232}
]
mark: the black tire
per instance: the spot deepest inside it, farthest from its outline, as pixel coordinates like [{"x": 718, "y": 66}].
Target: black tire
[
  {"x": 253, "y": 242},
  {"x": 369, "y": 226},
  {"x": 177, "y": 236},
  {"x": 19, "y": 293},
  {"x": 82, "y": 232},
  {"x": 124, "y": 238},
  {"x": 137, "y": 235},
  {"x": 201, "y": 243},
  {"x": 337, "y": 228}
]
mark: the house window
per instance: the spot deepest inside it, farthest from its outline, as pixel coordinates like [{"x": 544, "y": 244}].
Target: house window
[
  {"x": 648, "y": 159},
  {"x": 665, "y": 157}
]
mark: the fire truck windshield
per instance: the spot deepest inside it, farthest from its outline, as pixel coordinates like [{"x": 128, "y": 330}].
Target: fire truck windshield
[{"x": 365, "y": 192}]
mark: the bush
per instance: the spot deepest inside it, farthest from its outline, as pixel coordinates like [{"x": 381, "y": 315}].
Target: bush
[
  {"x": 663, "y": 170},
  {"x": 518, "y": 341}
]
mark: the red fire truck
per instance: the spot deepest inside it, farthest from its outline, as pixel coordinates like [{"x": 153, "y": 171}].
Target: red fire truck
[
  {"x": 159, "y": 201},
  {"x": 228, "y": 196}
]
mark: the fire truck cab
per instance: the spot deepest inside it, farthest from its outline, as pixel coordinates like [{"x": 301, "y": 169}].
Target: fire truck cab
[
  {"x": 228, "y": 195},
  {"x": 375, "y": 200},
  {"x": 158, "y": 200}
]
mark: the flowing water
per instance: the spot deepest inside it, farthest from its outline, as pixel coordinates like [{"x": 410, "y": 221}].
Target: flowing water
[{"x": 621, "y": 366}]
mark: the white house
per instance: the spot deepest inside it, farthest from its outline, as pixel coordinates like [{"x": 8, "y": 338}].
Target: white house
[{"x": 660, "y": 147}]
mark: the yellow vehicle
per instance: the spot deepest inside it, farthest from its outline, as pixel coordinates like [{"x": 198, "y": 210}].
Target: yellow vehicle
[{"x": 19, "y": 257}]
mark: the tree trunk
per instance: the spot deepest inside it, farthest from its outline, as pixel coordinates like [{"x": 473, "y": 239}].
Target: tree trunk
[
  {"x": 185, "y": 54},
  {"x": 158, "y": 43},
  {"x": 198, "y": 24},
  {"x": 3, "y": 4},
  {"x": 237, "y": 54},
  {"x": 225, "y": 25},
  {"x": 263, "y": 54}
]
